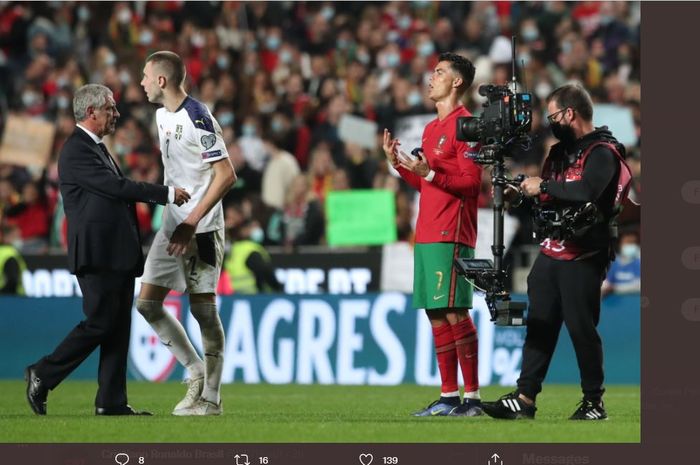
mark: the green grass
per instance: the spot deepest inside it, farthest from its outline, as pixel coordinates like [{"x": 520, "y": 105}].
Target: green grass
[{"x": 273, "y": 414}]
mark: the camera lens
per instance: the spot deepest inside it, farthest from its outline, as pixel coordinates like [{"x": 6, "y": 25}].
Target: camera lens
[{"x": 469, "y": 128}]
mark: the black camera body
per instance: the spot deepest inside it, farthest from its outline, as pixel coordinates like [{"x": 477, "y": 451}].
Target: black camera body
[
  {"x": 565, "y": 223},
  {"x": 507, "y": 115}
]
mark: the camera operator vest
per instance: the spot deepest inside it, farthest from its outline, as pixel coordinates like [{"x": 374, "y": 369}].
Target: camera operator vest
[{"x": 574, "y": 249}]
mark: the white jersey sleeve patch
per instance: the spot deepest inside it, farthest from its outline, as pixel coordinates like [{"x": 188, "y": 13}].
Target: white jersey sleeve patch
[{"x": 206, "y": 132}]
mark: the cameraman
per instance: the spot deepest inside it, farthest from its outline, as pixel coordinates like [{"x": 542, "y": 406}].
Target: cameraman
[
  {"x": 587, "y": 165},
  {"x": 449, "y": 183}
]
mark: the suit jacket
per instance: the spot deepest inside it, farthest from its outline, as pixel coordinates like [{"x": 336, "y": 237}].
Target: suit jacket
[{"x": 103, "y": 233}]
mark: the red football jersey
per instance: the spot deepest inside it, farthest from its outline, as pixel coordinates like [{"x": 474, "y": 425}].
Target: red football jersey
[{"x": 448, "y": 203}]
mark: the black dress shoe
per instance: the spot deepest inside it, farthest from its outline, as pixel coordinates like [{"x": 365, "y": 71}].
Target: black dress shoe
[
  {"x": 125, "y": 410},
  {"x": 36, "y": 391}
]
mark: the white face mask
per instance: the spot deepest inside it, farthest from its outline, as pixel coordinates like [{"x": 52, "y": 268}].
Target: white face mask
[
  {"x": 124, "y": 77},
  {"x": 83, "y": 13},
  {"x": 285, "y": 56},
  {"x": 146, "y": 37},
  {"x": 120, "y": 149},
  {"x": 30, "y": 98},
  {"x": 110, "y": 59},
  {"x": 248, "y": 130},
  {"x": 124, "y": 16},
  {"x": 414, "y": 98},
  {"x": 529, "y": 34},
  {"x": 62, "y": 102},
  {"x": 257, "y": 235},
  {"x": 426, "y": 49},
  {"x": 543, "y": 89},
  {"x": 630, "y": 251},
  {"x": 222, "y": 61},
  {"x": 328, "y": 12},
  {"x": 197, "y": 40}
]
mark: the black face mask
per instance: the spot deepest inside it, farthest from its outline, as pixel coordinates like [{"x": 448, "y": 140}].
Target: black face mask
[{"x": 564, "y": 133}]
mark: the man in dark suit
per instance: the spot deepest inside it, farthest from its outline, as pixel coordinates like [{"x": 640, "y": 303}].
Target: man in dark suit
[{"x": 104, "y": 252}]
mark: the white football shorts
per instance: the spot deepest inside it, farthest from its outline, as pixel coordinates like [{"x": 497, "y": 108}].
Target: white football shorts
[{"x": 197, "y": 271}]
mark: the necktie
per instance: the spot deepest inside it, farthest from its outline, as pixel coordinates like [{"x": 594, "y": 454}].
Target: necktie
[{"x": 103, "y": 147}]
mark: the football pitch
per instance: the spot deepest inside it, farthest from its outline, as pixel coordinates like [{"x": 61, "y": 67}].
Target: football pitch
[{"x": 293, "y": 413}]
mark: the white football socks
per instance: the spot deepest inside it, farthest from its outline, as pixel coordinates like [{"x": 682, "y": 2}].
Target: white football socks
[
  {"x": 172, "y": 334},
  {"x": 213, "y": 341}
]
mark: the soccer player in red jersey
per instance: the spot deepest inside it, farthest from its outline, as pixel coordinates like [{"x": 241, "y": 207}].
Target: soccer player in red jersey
[{"x": 449, "y": 182}]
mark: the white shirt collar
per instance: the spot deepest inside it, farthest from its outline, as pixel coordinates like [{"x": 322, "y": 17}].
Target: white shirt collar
[{"x": 91, "y": 134}]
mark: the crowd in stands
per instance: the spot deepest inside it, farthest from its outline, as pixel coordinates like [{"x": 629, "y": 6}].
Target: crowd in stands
[{"x": 279, "y": 76}]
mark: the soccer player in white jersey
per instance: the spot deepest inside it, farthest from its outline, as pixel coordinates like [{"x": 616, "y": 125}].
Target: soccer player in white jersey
[{"x": 187, "y": 252}]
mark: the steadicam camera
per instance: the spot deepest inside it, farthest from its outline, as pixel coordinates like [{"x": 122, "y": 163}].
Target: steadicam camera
[{"x": 505, "y": 121}]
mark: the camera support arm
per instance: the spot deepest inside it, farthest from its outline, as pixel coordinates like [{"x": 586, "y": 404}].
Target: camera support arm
[{"x": 490, "y": 276}]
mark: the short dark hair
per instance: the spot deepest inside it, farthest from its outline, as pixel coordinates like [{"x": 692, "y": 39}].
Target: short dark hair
[
  {"x": 573, "y": 96},
  {"x": 461, "y": 65},
  {"x": 172, "y": 65}
]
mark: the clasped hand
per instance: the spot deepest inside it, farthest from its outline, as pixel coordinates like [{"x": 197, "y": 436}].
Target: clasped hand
[
  {"x": 181, "y": 196},
  {"x": 418, "y": 165}
]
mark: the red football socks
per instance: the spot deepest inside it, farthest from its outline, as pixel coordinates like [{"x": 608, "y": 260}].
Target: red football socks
[
  {"x": 467, "y": 345},
  {"x": 446, "y": 357}
]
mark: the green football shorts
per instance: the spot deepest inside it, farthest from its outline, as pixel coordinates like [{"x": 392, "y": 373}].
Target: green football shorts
[{"x": 436, "y": 284}]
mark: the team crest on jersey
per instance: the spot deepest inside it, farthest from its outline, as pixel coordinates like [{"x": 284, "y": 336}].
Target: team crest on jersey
[
  {"x": 150, "y": 358},
  {"x": 442, "y": 140},
  {"x": 178, "y": 132},
  {"x": 208, "y": 141}
]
